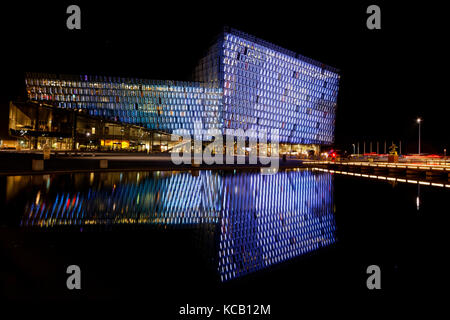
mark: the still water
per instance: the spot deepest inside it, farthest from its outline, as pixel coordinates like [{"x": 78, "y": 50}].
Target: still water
[{"x": 166, "y": 232}]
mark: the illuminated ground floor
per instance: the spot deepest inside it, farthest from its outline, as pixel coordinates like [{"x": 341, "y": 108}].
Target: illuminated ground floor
[{"x": 32, "y": 125}]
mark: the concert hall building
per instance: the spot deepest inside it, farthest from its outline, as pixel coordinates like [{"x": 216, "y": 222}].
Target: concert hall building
[{"x": 242, "y": 82}]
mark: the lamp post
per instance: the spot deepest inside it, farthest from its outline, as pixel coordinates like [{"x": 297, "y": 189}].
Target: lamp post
[{"x": 419, "y": 121}]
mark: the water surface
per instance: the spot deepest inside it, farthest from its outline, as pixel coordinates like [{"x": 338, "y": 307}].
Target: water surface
[{"x": 212, "y": 234}]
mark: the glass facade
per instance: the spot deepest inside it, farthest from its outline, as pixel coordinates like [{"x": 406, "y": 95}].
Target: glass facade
[
  {"x": 241, "y": 83},
  {"x": 265, "y": 86},
  {"x": 153, "y": 104},
  {"x": 38, "y": 124}
]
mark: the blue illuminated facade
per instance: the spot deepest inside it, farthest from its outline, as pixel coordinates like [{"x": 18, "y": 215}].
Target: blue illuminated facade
[
  {"x": 265, "y": 87},
  {"x": 153, "y": 104},
  {"x": 241, "y": 83}
]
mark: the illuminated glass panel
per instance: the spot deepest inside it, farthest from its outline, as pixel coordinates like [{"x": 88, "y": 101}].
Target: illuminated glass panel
[
  {"x": 153, "y": 104},
  {"x": 265, "y": 86},
  {"x": 242, "y": 82}
]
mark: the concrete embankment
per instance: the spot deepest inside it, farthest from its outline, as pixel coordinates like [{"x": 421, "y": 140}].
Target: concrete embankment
[{"x": 31, "y": 163}]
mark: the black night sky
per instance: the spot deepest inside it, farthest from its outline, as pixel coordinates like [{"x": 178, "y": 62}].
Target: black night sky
[{"x": 388, "y": 76}]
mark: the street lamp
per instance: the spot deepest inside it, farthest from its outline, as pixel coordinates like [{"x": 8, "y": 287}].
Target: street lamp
[{"x": 419, "y": 121}]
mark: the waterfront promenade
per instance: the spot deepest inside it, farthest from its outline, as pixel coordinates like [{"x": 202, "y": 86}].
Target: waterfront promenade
[{"x": 19, "y": 163}]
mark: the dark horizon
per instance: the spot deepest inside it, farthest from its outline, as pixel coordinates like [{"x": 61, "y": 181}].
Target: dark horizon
[{"x": 386, "y": 75}]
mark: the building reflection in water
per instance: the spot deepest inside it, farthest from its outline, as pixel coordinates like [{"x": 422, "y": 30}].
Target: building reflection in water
[
  {"x": 256, "y": 220},
  {"x": 269, "y": 219},
  {"x": 129, "y": 198}
]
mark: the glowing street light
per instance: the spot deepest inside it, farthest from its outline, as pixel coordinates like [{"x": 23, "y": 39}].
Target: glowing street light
[{"x": 419, "y": 121}]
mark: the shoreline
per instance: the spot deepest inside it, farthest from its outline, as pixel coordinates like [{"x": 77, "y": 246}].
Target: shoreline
[{"x": 22, "y": 164}]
